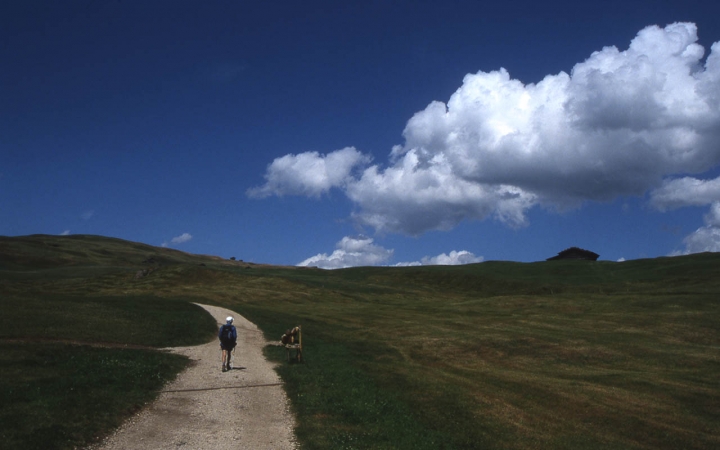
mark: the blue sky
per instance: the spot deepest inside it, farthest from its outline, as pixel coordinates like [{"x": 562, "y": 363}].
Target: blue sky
[{"x": 369, "y": 133}]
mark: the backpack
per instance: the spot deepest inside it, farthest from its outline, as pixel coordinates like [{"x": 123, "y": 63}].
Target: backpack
[{"x": 227, "y": 335}]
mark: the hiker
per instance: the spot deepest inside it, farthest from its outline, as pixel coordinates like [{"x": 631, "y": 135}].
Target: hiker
[{"x": 228, "y": 340}]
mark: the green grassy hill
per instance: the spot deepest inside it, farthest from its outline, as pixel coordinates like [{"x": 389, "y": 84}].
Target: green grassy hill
[{"x": 561, "y": 354}]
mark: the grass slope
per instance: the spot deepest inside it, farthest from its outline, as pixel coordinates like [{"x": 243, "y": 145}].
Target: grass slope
[
  {"x": 65, "y": 377},
  {"x": 562, "y": 354},
  {"x": 64, "y": 396}
]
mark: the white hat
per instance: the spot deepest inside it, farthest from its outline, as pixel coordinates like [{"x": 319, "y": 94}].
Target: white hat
[{"x": 229, "y": 319}]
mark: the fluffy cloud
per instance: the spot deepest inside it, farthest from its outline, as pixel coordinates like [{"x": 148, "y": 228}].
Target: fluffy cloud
[
  {"x": 351, "y": 252},
  {"x": 686, "y": 191},
  {"x": 65, "y": 233},
  {"x": 414, "y": 196},
  {"x": 354, "y": 252},
  {"x": 309, "y": 174},
  {"x": 706, "y": 238},
  {"x": 618, "y": 124},
  {"x": 455, "y": 258},
  {"x": 178, "y": 239}
]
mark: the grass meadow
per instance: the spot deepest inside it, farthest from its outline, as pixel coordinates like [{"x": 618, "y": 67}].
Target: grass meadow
[{"x": 496, "y": 355}]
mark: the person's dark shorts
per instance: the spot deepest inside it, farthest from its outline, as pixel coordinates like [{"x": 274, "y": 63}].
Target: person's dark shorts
[{"x": 228, "y": 347}]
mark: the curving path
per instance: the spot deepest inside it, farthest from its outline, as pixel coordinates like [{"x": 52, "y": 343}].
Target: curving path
[{"x": 204, "y": 408}]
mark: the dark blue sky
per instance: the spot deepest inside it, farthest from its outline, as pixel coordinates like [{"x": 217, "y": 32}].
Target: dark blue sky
[{"x": 150, "y": 121}]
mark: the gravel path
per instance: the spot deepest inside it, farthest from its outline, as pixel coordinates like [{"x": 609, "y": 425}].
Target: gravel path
[{"x": 204, "y": 408}]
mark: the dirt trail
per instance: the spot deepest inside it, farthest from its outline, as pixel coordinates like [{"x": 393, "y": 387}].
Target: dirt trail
[{"x": 204, "y": 408}]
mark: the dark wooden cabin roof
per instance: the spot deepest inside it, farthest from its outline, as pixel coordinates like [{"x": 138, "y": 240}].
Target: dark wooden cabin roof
[{"x": 575, "y": 253}]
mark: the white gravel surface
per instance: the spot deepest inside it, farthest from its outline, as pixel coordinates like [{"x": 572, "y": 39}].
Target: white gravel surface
[{"x": 205, "y": 408}]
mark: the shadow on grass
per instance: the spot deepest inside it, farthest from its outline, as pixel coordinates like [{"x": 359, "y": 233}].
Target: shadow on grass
[
  {"x": 339, "y": 407},
  {"x": 63, "y": 396},
  {"x": 140, "y": 320}
]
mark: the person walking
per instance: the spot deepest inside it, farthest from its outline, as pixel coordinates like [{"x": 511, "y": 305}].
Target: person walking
[{"x": 228, "y": 340}]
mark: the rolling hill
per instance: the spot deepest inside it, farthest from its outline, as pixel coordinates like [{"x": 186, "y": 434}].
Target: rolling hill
[{"x": 559, "y": 354}]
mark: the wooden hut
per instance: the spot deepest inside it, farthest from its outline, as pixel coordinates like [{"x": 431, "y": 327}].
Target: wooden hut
[{"x": 575, "y": 253}]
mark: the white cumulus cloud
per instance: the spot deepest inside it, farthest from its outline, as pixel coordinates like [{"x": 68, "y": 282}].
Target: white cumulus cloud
[
  {"x": 686, "y": 191},
  {"x": 618, "y": 124},
  {"x": 185, "y": 237},
  {"x": 706, "y": 238},
  {"x": 351, "y": 252},
  {"x": 361, "y": 251},
  {"x": 454, "y": 258},
  {"x": 309, "y": 173},
  {"x": 689, "y": 191}
]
